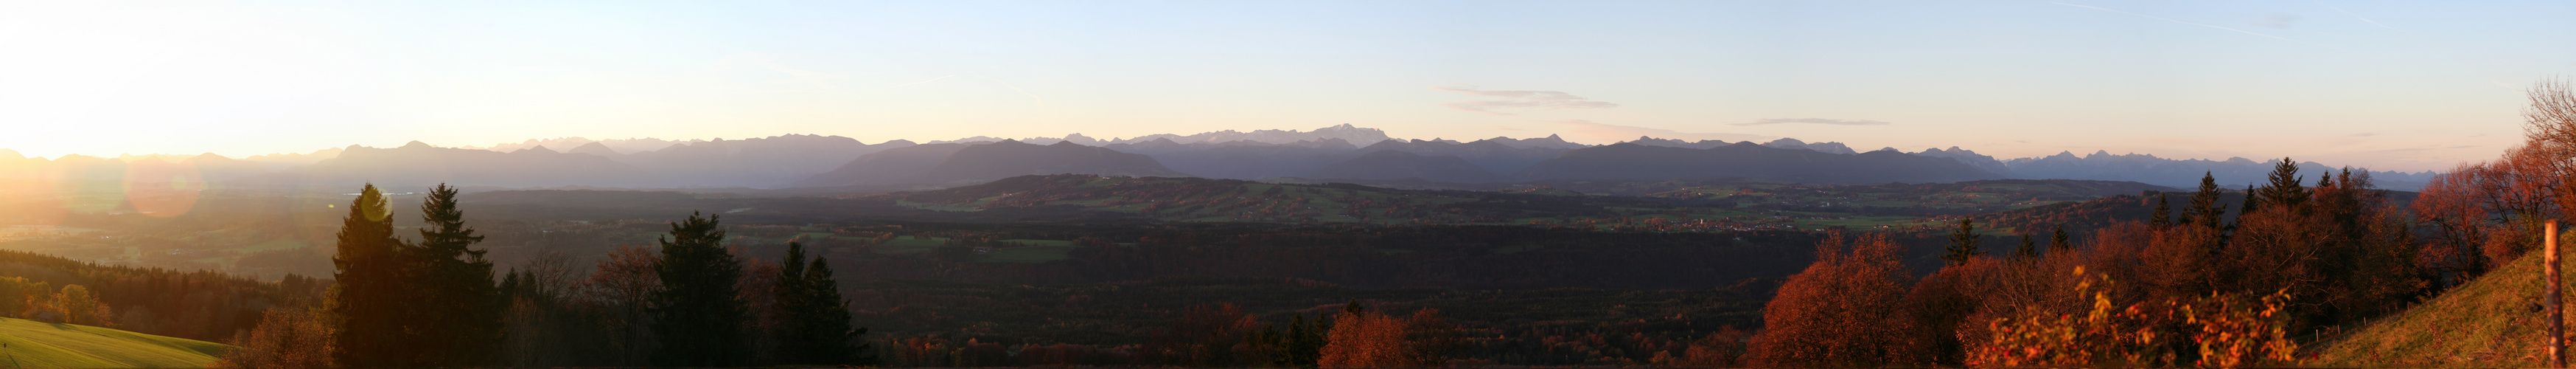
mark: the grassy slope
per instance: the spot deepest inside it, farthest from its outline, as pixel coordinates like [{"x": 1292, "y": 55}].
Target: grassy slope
[
  {"x": 2491, "y": 322},
  {"x": 34, "y": 344}
]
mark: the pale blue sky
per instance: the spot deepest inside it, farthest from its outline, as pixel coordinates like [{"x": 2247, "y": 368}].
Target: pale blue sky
[{"x": 2393, "y": 85}]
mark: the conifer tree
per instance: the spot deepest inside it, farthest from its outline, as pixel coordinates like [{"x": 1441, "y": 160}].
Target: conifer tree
[
  {"x": 2028, "y": 249},
  {"x": 1305, "y": 341},
  {"x": 1963, "y": 243},
  {"x": 459, "y": 307},
  {"x": 2160, "y": 219},
  {"x": 697, "y": 313},
  {"x": 820, "y": 331},
  {"x": 2204, "y": 209},
  {"x": 2252, "y": 202},
  {"x": 2285, "y": 188},
  {"x": 2057, "y": 241},
  {"x": 369, "y": 296}
]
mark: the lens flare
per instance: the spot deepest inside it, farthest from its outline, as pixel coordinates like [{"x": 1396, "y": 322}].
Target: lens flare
[
  {"x": 162, "y": 189},
  {"x": 31, "y": 201}
]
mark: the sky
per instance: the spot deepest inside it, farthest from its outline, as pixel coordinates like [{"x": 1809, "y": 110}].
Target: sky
[{"x": 2401, "y": 85}]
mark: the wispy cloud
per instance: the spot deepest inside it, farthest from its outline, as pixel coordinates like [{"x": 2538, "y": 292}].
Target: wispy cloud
[
  {"x": 923, "y": 81},
  {"x": 1588, "y": 131},
  {"x": 2365, "y": 19},
  {"x": 1499, "y": 101},
  {"x": 2197, "y": 24},
  {"x": 2274, "y": 21},
  {"x": 1014, "y": 88},
  {"x": 1838, "y": 122}
]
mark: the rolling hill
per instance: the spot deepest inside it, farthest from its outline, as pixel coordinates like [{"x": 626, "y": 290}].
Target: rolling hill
[
  {"x": 2495, "y": 321},
  {"x": 34, "y": 344},
  {"x": 1392, "y": 164}
]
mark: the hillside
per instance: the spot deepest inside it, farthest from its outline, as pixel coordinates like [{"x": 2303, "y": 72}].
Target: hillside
[
  {"x": 1391, "y": 164},
  {"x": 34, "y": 344},
  {"x": 2494, "y": 321}
]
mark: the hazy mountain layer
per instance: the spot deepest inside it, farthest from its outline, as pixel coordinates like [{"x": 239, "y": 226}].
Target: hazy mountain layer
[
  {"x": 832, "y": 161},
  {"x": 1747, "y": 160},
  {"x": 418, "y": 164},
  {"x": 953, "y": 163}
]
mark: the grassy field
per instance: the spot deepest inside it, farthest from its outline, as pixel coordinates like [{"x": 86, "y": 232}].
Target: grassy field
[
  {"x": 33, "y": 344},
  {"x": 2494, "y": 321}
]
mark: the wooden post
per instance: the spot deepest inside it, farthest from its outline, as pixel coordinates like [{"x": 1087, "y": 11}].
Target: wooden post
[{"x": 2557, "y": 311}]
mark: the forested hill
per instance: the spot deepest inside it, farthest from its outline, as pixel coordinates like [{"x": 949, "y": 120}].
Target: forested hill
[{"x": 198, "y": 305}]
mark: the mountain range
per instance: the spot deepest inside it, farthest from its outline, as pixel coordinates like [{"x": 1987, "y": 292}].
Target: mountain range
[{"x": 1342, "y": 152}]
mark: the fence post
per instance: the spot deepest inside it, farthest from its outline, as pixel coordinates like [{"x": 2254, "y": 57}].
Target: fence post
[{"x": 2557, "y": 311}]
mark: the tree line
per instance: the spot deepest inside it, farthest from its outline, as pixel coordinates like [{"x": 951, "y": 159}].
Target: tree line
[
  {"x": 2187, "y": 286},
  {"x": 434, "y": 301}
]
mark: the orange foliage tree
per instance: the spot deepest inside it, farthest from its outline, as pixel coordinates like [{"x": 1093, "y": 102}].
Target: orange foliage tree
[
  {"x": 1366, "y": 339},
  {"x": 1842, "y": 311},
  {"x": 286, "y": 338}
]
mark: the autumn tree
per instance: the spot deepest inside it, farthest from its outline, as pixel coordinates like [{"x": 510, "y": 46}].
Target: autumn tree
[
  {"x": 1844, "y": 310},
  {"x": 285, "y": 338},
  {"x": 1365, "y": 339},
  {"x": 75, "y": 304},
  {"x": 625, "y": 286},
  {"x": 1722, "y": 349}
]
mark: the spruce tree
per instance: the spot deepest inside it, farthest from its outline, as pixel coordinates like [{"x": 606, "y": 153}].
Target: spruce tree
[
  {"x": 793, "y": 302},
  {"x": 2204, "y": 209},
  {"x": 2161, "y": 219},
  {"x": 2028, "y": 249},
  {"x": 1963, "y": 243},
  {"x": 2252, "y": 202},
  {"x": 819, "y": 319},
  {"x": 830, "y": 337},
  {"x": 2057, "y": 241},
  {"x": 369, "y": 295},
  {"x": 698, "y": 314},
  {"x": 2285, "y": 188},
  {"x": 459, "y": 307}
]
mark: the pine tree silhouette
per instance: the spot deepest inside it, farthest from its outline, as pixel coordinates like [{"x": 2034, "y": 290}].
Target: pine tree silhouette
[{"x": 1963, "y": 243}]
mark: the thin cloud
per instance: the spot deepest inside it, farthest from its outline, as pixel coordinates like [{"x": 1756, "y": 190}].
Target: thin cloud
[
  {"x": 2372, "y": 22},
  {"x": 1014, "y": 88},
  {"x": 2274, "y": 21},
  {"x": 2364, "y": 134},
  {"x": 1588, "y": 131},
  {"x": 2197, "y": 24},
  {"x": 1838, "y": 122},
  {"x": 1498, "y": 101},
  {"x": 923, "y": 81}
]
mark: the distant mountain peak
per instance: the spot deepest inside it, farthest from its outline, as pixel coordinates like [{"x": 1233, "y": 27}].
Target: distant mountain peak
[
  {"x": 416, "y": 145},
  {"x": 594, "y": 148}
]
